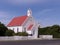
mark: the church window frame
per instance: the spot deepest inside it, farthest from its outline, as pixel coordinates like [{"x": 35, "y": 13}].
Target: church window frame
[
  {"x": 13, "y": 29},
  {"x": 24, "y": 29},
  {"x": 17, "y": 30}
]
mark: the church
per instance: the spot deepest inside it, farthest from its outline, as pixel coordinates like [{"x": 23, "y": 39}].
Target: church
[{"x": 24, "y": 23}]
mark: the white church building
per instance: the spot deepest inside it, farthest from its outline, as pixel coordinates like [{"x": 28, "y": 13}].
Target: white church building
[{"x": 24, "y": 23}]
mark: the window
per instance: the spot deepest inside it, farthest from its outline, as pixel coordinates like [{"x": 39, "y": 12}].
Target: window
[
  {"x": 13, "y": 29},
  {"x": 17, "y": 29},
  {"x": 24, "y": 29}
]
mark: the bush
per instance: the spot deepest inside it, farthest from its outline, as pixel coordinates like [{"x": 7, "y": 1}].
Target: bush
[
  {"x": 9, "y": 33},
  {"x": 22, "y": 34}
]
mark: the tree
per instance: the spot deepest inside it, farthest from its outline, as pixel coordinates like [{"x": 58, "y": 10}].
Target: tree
[
  {"x": 3, "y": 29},
  {"x": 50, "y": 30},
  {"x": 44, "y": 31},
  {"x": 9, "y": 33}
]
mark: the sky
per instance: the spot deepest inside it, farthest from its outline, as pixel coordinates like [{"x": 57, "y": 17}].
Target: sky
[{"x": 45, "y": 12}]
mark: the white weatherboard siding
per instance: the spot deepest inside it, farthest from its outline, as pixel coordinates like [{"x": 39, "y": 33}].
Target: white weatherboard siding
[
  {"x": 16, "y": 28},
  {"x": 29, "y": 32},
  {"x": 27, "y": 24},
  {"x": 34, "y": 30}
]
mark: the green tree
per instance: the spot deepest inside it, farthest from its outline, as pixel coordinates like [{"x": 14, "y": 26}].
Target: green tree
[
  {"x": 3, "y": 29},
  {"x": 50, "y": 30}
]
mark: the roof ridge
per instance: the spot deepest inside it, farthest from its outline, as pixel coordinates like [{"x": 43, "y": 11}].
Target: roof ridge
[{"x": 20, "y": 16}]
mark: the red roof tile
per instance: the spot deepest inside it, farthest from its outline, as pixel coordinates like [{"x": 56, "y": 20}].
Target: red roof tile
[
  {"x": 30, "y": 26},
  {"x": 17, "y": 21}
]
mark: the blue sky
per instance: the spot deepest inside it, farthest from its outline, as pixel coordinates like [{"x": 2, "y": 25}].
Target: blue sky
[{"x": 46, "y": 12}]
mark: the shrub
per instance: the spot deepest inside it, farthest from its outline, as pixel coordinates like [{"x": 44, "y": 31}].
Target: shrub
[
  {"x": 9, "y": 33},
  {"x": 22, "y": 34}
]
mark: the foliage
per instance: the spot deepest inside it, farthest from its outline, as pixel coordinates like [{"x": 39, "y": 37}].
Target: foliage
[
  {"x": 3, "y": 29},
  {"x": 50, "y": 30},
  {"x": 9, "y": 33},
  {"x": 22, "y": 34}
]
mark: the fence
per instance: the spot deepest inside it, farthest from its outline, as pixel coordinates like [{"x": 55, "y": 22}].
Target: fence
[
  {"x": 16, "y": 38},
  {"x": 46, "y": 36}
]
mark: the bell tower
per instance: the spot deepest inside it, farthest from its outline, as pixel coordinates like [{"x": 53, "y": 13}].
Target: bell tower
[{"x": 29, "y": 12}]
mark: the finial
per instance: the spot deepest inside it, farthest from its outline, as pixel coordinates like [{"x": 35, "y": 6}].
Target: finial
[{"x": 29, "y": 12}]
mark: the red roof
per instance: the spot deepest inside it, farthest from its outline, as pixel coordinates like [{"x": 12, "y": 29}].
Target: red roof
[
  {"x": 30, "y": 26},
  {"x": 17, "y": 21}
]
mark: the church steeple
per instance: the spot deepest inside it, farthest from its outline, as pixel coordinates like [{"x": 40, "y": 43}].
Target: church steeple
[{"x": 29, "y": 12}]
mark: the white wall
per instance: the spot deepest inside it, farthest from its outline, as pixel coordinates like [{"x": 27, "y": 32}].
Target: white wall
[
  {"x": 14, "y": 28},
  {"x": 36, "y": 32},
  {"x": 11, "y": 38},
  {"x": 46, "y": 36},
  {"x": 29, "y": 32}
]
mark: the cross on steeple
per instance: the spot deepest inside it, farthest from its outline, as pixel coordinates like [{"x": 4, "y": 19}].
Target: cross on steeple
[{"x": 29, "y": 12}]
